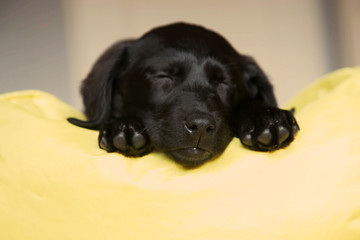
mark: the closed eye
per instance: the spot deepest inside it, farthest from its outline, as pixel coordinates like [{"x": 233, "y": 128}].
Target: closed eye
[
  {"x": 160, "y": 76},
  {"x": 163, "y": 81},
  {"x": 163, "y": 75}
]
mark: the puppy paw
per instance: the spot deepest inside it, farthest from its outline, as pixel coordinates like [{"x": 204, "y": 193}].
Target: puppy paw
[
  {"x": 268, "y": 129},
  {"x": 126, "y": 137}
]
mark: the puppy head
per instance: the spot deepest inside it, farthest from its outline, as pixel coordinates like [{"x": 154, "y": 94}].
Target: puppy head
[
  {"x": 182, "y": 82},
  {"x": 189, "y": 105}
]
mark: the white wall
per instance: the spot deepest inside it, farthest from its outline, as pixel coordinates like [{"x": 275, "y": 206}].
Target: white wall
[{"x": 285, "y": 36}]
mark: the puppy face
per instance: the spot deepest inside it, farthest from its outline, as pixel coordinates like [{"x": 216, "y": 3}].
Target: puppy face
[
  {"x": 182, "y": 90},
  {"x": 185, "y": 103}
]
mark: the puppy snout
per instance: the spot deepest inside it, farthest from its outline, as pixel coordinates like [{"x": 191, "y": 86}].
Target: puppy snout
[{"x": 200, "y": 125}]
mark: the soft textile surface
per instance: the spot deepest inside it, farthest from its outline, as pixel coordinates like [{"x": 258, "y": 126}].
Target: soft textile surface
[{"x": 55, "y": 183}]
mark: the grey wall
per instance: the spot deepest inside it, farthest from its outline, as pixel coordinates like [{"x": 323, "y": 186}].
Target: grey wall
[
  {"x": 286, "y": 37},
  {"x": 51, "y": 44},
  {"x": 32, "y": 47}
]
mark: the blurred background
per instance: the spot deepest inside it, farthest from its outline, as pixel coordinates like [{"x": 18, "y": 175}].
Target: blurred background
[{"x": 51, "y": 44}]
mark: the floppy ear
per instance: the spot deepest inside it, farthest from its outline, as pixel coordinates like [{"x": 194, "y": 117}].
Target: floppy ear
[
  {"x": 97, "y": 88},
  {"x": 256, "y": 82}
]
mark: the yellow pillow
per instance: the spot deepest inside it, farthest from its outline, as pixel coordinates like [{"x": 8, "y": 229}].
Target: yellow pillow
[{"x": 55, "y": 183}]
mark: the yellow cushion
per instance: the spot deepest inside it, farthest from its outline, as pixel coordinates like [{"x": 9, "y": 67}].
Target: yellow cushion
[{"x": 55, "y": 183}]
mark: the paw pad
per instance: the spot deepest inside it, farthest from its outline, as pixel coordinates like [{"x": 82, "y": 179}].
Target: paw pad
[
  {"x": 268, "y": 130},
  {"x": 127, "y": 138},
  {"x": 265, "y": 137}
]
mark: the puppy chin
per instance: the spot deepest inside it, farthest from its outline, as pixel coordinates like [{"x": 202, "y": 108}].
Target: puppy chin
[{"x": 191, "y": 157}]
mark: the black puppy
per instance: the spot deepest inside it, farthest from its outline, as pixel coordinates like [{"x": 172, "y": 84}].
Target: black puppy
[{"x": 183, "y": 90}]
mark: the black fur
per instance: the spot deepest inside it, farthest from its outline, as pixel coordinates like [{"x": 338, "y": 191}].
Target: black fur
[{"x": 183, "y": 90}]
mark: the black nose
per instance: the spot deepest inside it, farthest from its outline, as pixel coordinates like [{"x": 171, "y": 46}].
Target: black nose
[{"x": 200, "y": 124}]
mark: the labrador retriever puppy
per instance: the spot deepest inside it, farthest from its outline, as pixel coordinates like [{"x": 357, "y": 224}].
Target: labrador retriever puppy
[{"x": 183, "y": 90}]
